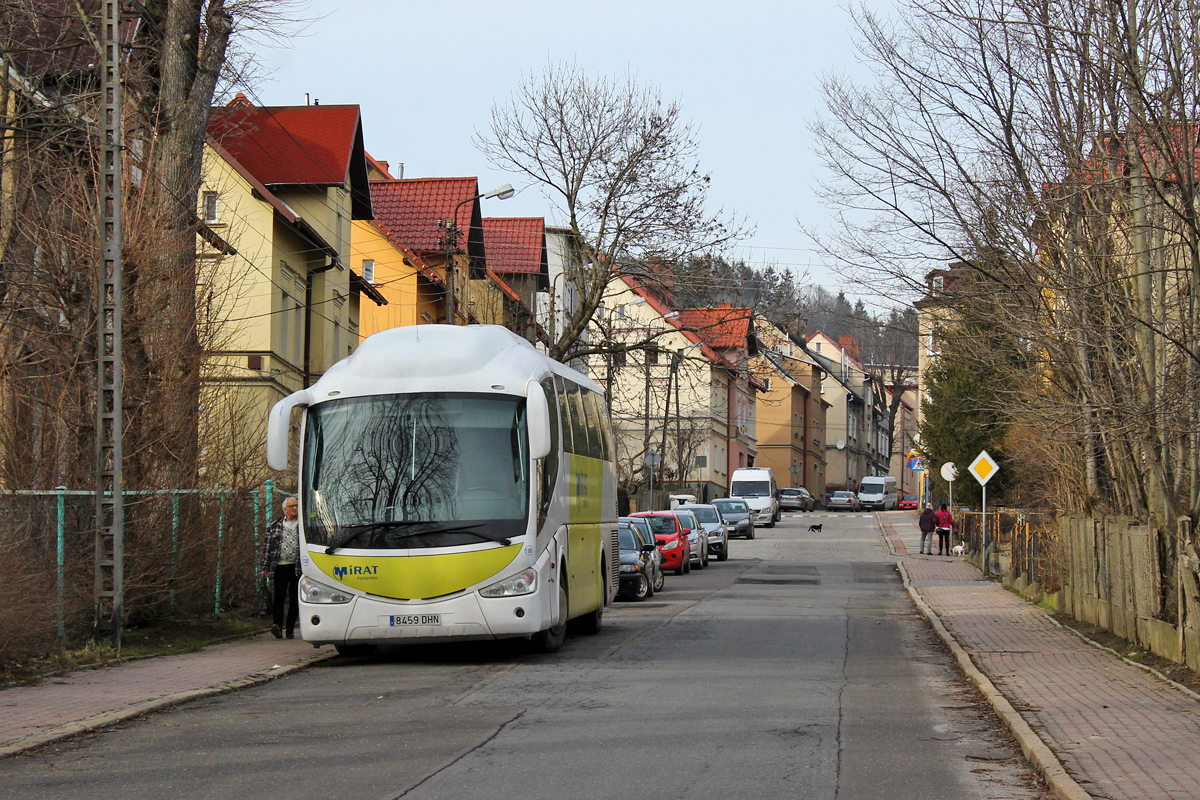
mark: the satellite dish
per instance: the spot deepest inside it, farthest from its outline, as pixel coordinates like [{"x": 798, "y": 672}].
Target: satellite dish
[
  {"x": 949, "y": 471},
  {"x": 841, "y": 444}
]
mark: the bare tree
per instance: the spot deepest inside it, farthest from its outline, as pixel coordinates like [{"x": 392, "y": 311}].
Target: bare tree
[
  {"x": 619, "y": 163},
  {"x": 1049, "y": 149}
]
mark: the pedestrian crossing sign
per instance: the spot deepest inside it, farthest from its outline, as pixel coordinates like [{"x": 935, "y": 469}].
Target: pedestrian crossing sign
[{"x": 983, "y": 467}]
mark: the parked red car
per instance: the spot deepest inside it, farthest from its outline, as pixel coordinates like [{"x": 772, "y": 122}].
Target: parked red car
[
  {"x": 909, "y": 501},
  {"x": 672, "y": 540}
]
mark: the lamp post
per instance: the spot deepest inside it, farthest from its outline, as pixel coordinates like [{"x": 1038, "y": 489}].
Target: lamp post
[{"x": 450, "y": 246}]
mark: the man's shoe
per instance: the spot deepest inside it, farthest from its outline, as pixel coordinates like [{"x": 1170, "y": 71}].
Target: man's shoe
[
  {"x": 291, "y": 635},
  {"x": 276, "y": 632}
]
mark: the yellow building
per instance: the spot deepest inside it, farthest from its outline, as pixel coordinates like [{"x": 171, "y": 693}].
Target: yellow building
[
  {"x": 278, "y": 296},
  {"x": 791, "y": 412}
]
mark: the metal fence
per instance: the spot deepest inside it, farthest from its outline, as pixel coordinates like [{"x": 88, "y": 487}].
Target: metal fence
[
  {"x": 1024, "y": 542},
  {"x": 187, "y": 552}
]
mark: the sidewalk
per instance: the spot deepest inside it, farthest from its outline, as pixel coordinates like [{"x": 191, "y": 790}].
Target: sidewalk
[
  {"x": 1119, "y": 731},
  {"x": 89, "y": 699}
]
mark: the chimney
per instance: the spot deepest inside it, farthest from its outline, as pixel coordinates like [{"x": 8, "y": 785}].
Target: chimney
[{"x": 850, "y": 345}]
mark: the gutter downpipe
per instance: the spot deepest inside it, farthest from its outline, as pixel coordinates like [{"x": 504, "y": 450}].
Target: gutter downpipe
[{"x": 308, "y": 293}]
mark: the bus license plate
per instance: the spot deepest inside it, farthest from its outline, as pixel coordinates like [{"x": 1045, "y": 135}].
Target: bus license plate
[{"x": 416, "y": 619}]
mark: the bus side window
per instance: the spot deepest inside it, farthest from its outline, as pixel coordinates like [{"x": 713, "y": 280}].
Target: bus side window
[
  {"x": 549, "y": 466},
  {"x": 564, "y": 414},
  {"x": 591, "y": 402},
  {"x": 579, "y": 421},
  {"x": 605, "y": 429}
]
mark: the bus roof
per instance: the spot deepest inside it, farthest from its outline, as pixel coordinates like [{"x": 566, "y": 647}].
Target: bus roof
[{"x": 440, "y": 358}]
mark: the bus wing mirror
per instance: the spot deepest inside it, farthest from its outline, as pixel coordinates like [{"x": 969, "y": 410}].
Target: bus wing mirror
[
  {"x": 537, "y": 414},
  {"x": 279, "y": 425}
]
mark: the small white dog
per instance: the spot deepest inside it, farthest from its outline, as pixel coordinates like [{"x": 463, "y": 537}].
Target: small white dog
[{"x": 958, "y": 549}]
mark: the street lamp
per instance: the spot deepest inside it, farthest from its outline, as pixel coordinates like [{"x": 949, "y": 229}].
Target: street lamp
[{"x": 450, "y": 244}]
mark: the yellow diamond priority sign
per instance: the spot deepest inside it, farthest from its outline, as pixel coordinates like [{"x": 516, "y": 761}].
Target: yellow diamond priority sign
[{"x": 983, "y": 468}]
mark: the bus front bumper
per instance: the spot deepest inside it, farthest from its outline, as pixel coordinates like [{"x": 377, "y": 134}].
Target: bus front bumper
[{"x": 370, "y": 619}]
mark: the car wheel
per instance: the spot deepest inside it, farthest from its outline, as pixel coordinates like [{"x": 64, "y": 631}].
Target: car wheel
[
  {"x": 661, "y": 582},
  {"x": 687, "y": 564},
  {"x": 770, "y": 524},
  {"x": 549, "y": 640},
  {"x": 644, "y": 589},
  {"x": 704, "y": 559},
  {"x": 750, "y": 535},
  {"x": 724, "y": 554},
  {"x": 356, "y": 650}
]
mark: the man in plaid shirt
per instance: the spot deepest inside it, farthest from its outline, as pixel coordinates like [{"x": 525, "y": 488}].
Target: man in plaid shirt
[{"x": 282, "y": 552}]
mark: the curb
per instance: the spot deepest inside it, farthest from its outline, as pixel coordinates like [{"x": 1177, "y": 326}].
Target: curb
[
  {"x": 109, "y": 718},
  {"x": 1036, "y": 751}
]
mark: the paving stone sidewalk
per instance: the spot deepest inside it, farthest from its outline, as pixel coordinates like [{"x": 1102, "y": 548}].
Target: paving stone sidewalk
[
  {"x": 1118, "y": 730},
  {"x": 91, "y": 698}
]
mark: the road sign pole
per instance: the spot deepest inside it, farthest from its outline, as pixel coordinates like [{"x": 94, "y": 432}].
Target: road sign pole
[{"x": 984, "y": 546}]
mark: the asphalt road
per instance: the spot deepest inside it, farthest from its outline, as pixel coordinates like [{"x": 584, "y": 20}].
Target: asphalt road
[{"x": 798, "y": 668}]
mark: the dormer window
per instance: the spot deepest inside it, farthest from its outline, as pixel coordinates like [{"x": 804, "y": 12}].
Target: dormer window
[{"x": 939, "y": 283}]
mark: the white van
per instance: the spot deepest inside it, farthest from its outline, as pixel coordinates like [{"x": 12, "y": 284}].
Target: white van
[
  {"x": 756, "y": 485},
  {"x": 878, "y": 492}
]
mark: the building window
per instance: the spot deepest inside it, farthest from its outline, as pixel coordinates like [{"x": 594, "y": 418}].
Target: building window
[
  {"x": 939, "y": 283},
  {"x": 818, "y": 347},
  {"x": 210, "y": 207},
  {"x": 651, "y": 355},
  {"x": 368, "y": 270},
  {"x": 619, "y": 358},
  {"x": 701, "y": 461}
]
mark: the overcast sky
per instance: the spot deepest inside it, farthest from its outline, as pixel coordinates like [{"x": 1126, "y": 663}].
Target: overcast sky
[{"x": 427, "y": 74}]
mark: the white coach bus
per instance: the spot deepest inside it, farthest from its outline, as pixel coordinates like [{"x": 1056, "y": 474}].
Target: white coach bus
[{"x": 455, "y": 483}]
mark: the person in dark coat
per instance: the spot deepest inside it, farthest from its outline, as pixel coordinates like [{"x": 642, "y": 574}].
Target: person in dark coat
[
  {"x": 279, "y": 564},
  {"x": 927, "y": 523}
]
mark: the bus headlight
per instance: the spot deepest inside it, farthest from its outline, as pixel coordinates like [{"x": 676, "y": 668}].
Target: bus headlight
[
  {"x": 313, "y": 592},
  {"x": 512, "y": 586}
]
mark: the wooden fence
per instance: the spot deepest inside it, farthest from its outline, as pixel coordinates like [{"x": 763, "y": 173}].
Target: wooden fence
[{"x": 1112, "y": 572}]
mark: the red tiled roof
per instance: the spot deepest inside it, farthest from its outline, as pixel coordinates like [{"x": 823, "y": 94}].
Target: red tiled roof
[
  {"x": 408, "y": 209},
  {"x": 722, "y": 326},
  {"x": 289, "y": 144},
  {"x": 515, "y": 245}
]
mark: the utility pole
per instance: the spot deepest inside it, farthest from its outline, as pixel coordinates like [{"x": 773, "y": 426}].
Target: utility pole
[
  {"x": 110, "y": 510},
  {"x": 449, "y": 243}
]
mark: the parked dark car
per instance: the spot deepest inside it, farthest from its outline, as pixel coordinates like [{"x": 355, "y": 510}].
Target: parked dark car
[
  {"x": 658, "y": 576},
  {"x": 737, "y": 516},
  {"x": 637, "y": 564},
  {"x": 797, "y": 499}
]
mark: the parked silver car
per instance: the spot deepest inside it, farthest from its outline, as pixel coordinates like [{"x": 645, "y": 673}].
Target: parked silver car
[
  {"x": 797, "y": 499},
  {"x": 696, "y": 535},
  {"x": 642, "y": 526},
  {"x": 844, "y": 501},
  {"x": 714, "y": 525}
]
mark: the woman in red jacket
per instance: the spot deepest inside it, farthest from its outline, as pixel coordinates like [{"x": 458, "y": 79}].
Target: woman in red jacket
[{"x": 945, "y": 524}]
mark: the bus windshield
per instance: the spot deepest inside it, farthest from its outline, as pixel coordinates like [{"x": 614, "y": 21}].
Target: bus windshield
[
  {"x": 415, "y": 471},
  {"x": 751, "y": 489}
]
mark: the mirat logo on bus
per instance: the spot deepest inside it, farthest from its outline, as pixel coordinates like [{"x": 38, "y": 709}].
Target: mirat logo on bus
[{"x": 366, "y": 572}]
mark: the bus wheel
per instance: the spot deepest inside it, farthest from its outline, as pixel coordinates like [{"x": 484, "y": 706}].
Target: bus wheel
[
  {"x": 590, "y": 623},
  {"x": 549, "y": 640},
  {"x": 356, "y": 650}
]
